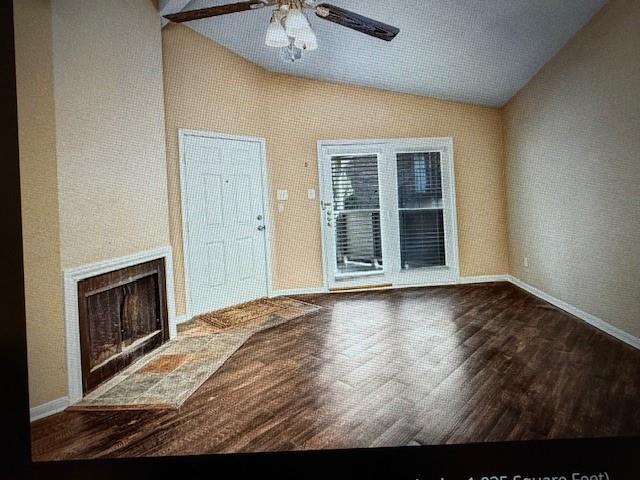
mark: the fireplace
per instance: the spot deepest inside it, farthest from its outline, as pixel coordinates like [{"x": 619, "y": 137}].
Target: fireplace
[{"x": 122, "y": 316}]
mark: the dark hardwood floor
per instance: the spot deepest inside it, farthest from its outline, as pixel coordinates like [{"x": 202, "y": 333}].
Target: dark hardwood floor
[{"x": 437, "y": 365}]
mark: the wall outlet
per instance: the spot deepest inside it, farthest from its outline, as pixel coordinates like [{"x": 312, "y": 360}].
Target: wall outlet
[{"x": 525, "y": 262}]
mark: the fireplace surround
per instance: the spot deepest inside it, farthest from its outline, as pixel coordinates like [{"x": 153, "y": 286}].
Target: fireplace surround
[{"x": 131, "y": 300}]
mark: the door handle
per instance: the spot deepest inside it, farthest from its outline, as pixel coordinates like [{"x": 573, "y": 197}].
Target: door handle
[{"x": 261, "y": 227}]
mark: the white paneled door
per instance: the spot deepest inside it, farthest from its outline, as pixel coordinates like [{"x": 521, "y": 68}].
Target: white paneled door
[
  {"x": 388, "y": 212},
  {"x": 224, "y": 209}
]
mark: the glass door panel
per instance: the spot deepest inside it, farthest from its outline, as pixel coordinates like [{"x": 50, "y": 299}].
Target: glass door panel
[
  {"x": 421, "y": 212},
  {"x": 356, "y": 213}
]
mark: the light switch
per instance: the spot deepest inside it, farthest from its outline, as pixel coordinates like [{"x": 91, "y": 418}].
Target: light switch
[
  {"x": 283, "y": 195},
  {"x": 311, "y": 194}
]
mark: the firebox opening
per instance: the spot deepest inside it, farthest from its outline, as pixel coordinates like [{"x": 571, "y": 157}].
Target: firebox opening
[{"x": 123, "y": 316}]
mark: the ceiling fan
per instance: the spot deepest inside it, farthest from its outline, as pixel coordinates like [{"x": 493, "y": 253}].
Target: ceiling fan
[{"x": 289, "y": 27}]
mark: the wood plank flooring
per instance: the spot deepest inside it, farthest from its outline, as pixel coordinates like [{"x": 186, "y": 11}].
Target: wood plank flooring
[{"x": 438, "y": 365}]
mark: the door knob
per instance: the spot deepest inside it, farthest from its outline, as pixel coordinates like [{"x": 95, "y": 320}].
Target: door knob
[
  {"x": 259, "y": 217},
  {"x": 261, "y": 227}
]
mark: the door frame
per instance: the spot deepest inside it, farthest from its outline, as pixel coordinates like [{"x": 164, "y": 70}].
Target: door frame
[
  {"x": 401, "y": 144},
  {"x": 183, "y": 133}
]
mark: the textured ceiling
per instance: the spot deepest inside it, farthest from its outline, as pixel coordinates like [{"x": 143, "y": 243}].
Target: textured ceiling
[{"x": 477, "y": 51}]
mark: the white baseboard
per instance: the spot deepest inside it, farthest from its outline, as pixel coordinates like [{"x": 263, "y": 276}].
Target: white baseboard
[
  {"x": 298, "y": 291},
  {"x": 49, "y": 408},
  {"x": 587, "y": 317},
  {"x": 484, "y": 279}
]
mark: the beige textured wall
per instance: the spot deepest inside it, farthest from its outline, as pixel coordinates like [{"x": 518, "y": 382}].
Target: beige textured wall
[
  {"x": 210, "y": 88},
  {"x": 92, "y": 154},
  {"x": 573, "y": 155},
  {"x": 38, "y": 184},
  {"x": 110, "y": 129}
]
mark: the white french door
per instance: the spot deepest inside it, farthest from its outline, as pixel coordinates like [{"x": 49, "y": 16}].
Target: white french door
[{"x": 388, "y": 212}]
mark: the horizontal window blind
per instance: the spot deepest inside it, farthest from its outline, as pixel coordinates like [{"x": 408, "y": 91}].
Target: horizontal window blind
[
  {"x": 356, "y": 209},
  {"x": 422, "y": 239}
]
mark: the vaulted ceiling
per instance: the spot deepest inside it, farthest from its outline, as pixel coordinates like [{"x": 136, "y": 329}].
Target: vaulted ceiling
[{"x": 477, "y": 51}]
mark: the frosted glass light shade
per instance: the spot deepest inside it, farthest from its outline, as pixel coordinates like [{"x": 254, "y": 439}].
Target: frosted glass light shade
[
  {"x": 295, "y": 22},
  {"x": 276, "y": 35},
  {"x": 308, "y": 39}
]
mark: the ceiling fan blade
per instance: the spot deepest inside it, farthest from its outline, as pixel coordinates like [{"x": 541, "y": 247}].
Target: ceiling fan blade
[
  {"x": 357, "y": 22},
  {"x": 215, "y": 11}
]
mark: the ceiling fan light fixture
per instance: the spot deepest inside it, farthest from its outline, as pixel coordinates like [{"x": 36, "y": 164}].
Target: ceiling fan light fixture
[
  {"x": 276, "y": 35},
  {"x": 290, "y": 17}
]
